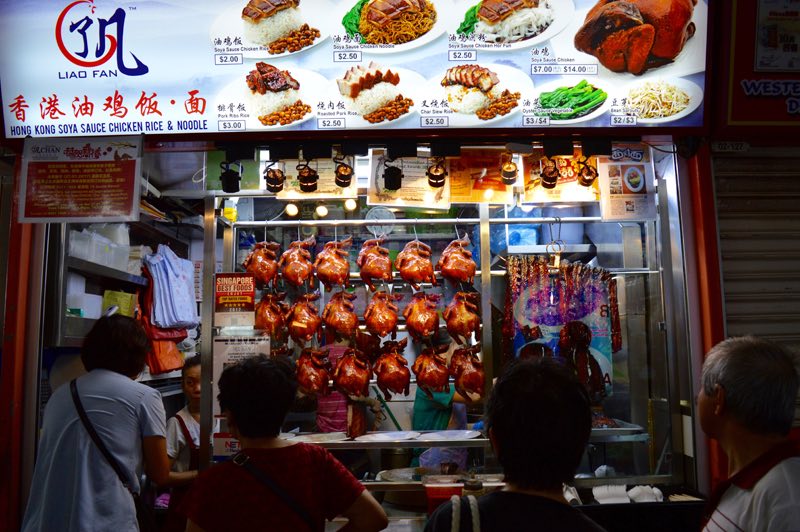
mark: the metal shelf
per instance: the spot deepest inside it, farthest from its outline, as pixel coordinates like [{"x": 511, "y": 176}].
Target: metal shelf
[{"x": 98, "y": 270}]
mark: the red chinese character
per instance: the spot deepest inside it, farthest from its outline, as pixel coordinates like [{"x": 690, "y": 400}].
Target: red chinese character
[
  {"x": 115, "y": 104},
  {"x": 18, "y": 107},
  {"x": 148, "y": 105},
  {"x": 195, "y": 105},
  {"x": 82, "y": 108},
  {"x": 49, "y": 107}
]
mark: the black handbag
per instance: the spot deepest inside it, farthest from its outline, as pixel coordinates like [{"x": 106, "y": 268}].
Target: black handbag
[{"x": 144, "y": 514}]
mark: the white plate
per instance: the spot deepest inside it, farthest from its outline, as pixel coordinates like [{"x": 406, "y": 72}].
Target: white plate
[
  {"x": 229, "y": 25},
  {"x": 287, "y": 435},
  {"x": 410, "y": 84},
  {"x": 628, "y": 174},
  {"x": 450, "y": 435},
  {"x": 691, "y": 60},
  {"x": 563, "y": 14},
  {"x": 237, "y": 91},
  {"x": 510, "y": 78},
  {"x": 321, "y": 437},
  {"x": 571, "y": 82},
  {"x": 694, "y": 92},
  {"x": 389, "y": 436},
  {"x": 445, "y": 20}
]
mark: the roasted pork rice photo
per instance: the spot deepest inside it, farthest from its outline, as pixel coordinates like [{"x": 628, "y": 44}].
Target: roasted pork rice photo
[{"x": 373, "y": 93}]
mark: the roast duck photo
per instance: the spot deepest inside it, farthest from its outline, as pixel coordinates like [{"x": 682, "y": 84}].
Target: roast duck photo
[{"x": 636, "y": 35}]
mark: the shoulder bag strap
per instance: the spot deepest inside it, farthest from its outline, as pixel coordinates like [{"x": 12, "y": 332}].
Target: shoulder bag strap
[
  {"x": 473, "y": 513},
  {"x": 73, "y": 386},
  {"x": 243, "y": 461},
  {"x": 186, "y": 435}
]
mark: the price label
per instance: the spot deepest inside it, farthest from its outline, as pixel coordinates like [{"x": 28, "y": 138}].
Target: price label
[
  {"x": 330, "y": 123},
  {"x": 579, "y": 70},
  {"x": 433, "y": 121},
  {"x": 227, "y": 59},
  {"x": 535, "y": 121},
  {"x": 462, "y": 55},
  {"x": 623, "y": 120},
  {"x": 231, "y": 125},
  {"x": 347, "y": 57}
]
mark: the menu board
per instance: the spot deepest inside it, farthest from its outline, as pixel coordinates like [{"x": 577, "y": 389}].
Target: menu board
[{"x": 105, "y": 67}]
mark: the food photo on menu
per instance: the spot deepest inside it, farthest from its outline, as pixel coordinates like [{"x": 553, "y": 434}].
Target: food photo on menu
[
  {"x": 277, "y": 24},
  {"x": 374, "y": 93},
  {"x": 507, "y": 21},
  {"x": 474, "y": 89},
  {"x": 390, "y": 21},
  {"x": 274, "y": 96}
]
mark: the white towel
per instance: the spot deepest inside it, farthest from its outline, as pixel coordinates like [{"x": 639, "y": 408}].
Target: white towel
[
  {"x": 610, "y": 494},
  {"x": 645, "y": 494}
]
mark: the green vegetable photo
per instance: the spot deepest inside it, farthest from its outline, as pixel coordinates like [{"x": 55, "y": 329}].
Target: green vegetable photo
[{"x": 566, "y": 103}]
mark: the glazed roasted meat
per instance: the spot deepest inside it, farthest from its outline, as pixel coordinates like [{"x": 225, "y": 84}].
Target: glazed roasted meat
[
  {"x": 382, "y": 11},
  {"x": 462, "y": 316},
  {"x": 467, "y": 372},
  {"x": 313, "y": 371},
  {"x": 493, "y": 11},
  {"x": 259, "y": 9},
  {"x": 381, "y": 314},
  {"x": 295, "y": 263},
  {"x": 573, "y": 345},
  {"x": 339, "y": 316},
  {"x": 267, "y": 78},
  {"x": 374, "y": 262},
  {"x": 391, "y": 369},
  {"x": 262, "y": 262},
  {"x": 414, "y": 264},
  {"x": 422, "y": 317},
  {"x": 430, "y": 368},
  {"x": 332, "y": 265},
  {"x": 456, "y": 262},
  {"x": 352, "y": 374},
  {"x": 270, "y": 312},
  {"x": 303, "y": 319},
  {"x": 368, "y": 344},
  {"x": 471, "y": 76},
  {"x": 358, "y": 79}
]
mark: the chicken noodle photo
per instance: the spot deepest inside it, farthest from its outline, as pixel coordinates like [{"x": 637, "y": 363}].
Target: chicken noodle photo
[
  {"x": 657, "y": 99},
  {"x": 390, "y": 21}
]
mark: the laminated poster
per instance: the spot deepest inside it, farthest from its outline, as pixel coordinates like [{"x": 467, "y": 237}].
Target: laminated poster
[
  {"x": 414, "y": 190},
  {"x": 228, "y": 350},
  {"x": 475, "y": 177},
  {"x": 627, "y": 184},
  {"x": 234, "y": 300}
]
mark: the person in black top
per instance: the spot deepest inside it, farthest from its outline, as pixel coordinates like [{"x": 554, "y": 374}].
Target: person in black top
[{"x": 538, "y": 419}]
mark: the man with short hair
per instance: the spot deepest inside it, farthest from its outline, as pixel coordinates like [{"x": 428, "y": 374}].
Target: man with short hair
[{"x": 747, "y": 403}]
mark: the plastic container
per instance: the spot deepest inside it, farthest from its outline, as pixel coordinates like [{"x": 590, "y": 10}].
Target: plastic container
[
  {"x": 79, "y": 243},
  {"x": 119, "y": 257},
  {"x": 439, "y": 494}
]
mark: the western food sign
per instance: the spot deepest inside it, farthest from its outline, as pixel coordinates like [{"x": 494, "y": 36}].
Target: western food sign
[{"x": 105, "y": 67}]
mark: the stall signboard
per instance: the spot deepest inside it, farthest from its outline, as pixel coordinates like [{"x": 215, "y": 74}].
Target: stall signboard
[
  {"x": 105, "y": 67},
  {"x": 230, "y": 350},
  {"x": 80, "y": 180},
  {"x": 234, "y": 300},
  {"x": 627, "y": 184}
]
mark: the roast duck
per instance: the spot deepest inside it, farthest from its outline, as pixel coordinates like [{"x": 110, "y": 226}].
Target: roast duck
[
  {"x": 352, "y": 373},
  {"x": 296, "y": 262},
  {"x": 391, "y": 369},
  {"x": 634, "y": 35},
  {"x": 422, "y": 317},
  {"x": 430, "y": 368},
  {"x": 338, "y": 314},
  {"x": 262, "y": 262},
  {"x": 461, "y": 316},
  {"x": 374, "y": 262},
  {"x": 332, "y": 266},
  {"x": 414, "y": 264},
  {"x": 456, "y": 262},
  {"x": 369, "y": 344},
  {"x": 573, "y": 346},
  {"x": 467, "y": 372},
  {"x": 280, "y": 352},
  {"x": 303, "y": 319},
  {"x": 270, "y": 312},
  {"x": 381, "y": 314},
  {"x": 313, "y": 371}
]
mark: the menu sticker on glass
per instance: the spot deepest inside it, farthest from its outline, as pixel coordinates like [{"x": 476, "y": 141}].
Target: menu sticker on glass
[
  {"x": 234, "y": 300},
  {"x": 627, "y": 184}
]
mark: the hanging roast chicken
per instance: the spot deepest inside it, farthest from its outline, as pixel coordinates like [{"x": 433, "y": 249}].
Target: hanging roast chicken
[
  {"x": 461, "y": 316},
  {"x": 430, "y": 367},
  {"x": 262, "y": 262},
  {"x": 303, "y": 319},
  {"x": 391, "y": 369},
  {"x": 374, "y": 262},
  {"x": 414, "y": 264},
  {"x": 270, "y": 312},
  {"x": 332, "y": 265},
  {"x": 339, "y": 316},
  {"x": 313, "y": 371},
  {"x": 381, "y": 314},
  {"x": 295, "y": 263},
  {"x": 368, "y": 344},
  {"x": 467, "y": 372},
  {"x": 352, "y": 374},
  {"x": 456, "y": 262},
  {"x": 422, "y": 317}
]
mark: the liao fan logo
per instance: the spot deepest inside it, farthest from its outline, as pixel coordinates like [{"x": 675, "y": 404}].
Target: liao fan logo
[{"x": 91, "y": 41}]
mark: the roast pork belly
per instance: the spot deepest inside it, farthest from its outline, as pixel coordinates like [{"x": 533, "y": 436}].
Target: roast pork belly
[
  {"x": 259, "y": 9},
  {"x": 381, "y": 12},
  {"x": 267, "y": 78},
  {"x": 493, "y": 11},
  {"x": 358, "y": 79}
]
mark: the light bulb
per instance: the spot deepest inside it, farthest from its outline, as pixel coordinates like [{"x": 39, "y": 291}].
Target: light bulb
[
  {"x": 292, "y": 210},
  {"x": 350, "y": 204},
  {"x": 322, "y": 211},
  {"x": 488, "y": 193}
]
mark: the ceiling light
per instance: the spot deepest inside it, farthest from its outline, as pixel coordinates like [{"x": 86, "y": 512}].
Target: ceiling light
[
  {"x": 350, "y": 204},
  {"x": 292, "y": 210},
  {"x": 436, "y": 174},
  {"x": 392, "y": 176},
  {"x": 230, "y": 178},
  {"x": 307, "y": 176},
  {"x": 321, "y": 211},
  {"x": 508, "y": 173},
  {"x": 275, "y": 178},
  {"x": 488, "y": 194}
]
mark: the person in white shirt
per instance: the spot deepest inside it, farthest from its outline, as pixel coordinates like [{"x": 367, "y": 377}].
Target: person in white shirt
[{"x": 747, "y": 403}]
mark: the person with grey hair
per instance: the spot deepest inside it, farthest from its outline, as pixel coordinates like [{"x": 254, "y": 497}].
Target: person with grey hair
[{"x": 747, "y": 403}]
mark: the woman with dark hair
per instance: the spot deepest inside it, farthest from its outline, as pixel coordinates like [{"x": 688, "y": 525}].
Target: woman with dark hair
[
  {"x": 74, "y": 486},
  {"x": 273, "y": 484}
]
